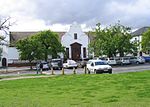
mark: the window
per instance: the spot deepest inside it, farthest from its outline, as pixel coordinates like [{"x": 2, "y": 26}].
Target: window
[
  {"x": 67, "y": 52},
  {"x": 75, "y": 35},
  {"x": 84, "y": 52}
]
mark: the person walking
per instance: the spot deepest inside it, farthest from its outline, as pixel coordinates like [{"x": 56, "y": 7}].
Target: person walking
[{"x": 41, "y": 67}]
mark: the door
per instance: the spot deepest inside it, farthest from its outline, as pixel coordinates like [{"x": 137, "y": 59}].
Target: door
[
  {"x": 75, "y": 51},
  {"x": 4, "y": 62}
]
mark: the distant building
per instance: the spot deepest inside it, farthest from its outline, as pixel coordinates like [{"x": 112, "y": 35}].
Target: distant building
[
  {"x": 137, "y": 36},
  {"x": 75, "y": 42}
]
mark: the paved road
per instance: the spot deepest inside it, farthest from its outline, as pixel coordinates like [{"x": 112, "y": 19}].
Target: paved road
[{"x": 25, "y": 70}]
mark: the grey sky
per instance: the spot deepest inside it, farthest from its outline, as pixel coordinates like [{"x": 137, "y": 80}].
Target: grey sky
[
  {"x": 133, "y": 13},
  {"x": 130, "y": 12}
]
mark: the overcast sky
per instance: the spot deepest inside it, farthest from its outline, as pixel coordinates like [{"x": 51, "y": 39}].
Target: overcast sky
[{"x": 57, "y": 15}]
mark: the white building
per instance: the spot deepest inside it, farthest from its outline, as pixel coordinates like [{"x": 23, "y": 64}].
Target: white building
[
  {"x": 137, "y": 36},
  {"x": 75, "y": 42}
]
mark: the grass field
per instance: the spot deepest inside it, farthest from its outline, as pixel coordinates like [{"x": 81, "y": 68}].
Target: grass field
[{"x": 104, "y": 90}]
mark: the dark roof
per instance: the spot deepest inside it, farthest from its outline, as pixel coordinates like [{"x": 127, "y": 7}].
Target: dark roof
[
  {"x": 140, "y": 31},
  {"x": 15, "y": 36}
]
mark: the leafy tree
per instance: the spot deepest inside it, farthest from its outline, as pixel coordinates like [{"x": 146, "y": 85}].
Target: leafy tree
[
  {"x": 39, "y": 46},
  {"x": 28, "y": 49},
  {"x": 112, "y": 40},
  {"x": 49, "y": 42},
  {"x": 4, "y": 26},
  {"x": 122, "y": 39},
  {"x": 146, "y": 41}
]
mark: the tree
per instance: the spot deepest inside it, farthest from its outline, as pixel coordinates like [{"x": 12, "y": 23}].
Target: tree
[
  {"x": 122, "y": 39},
  {"x": 39, "y": 46},
  {"x": 4, "y": 26},
  {"x": 49, "y": 42},
  {"x": 28, "y": 49},
  {"x": 112, "y": 40},
  {"x": 146, "y": 41}
]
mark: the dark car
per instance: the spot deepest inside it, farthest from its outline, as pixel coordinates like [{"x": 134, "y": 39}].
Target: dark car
[
  {"x": 56, "y": 63},
  {"x": 45, "y": 65},
  {"x": 147, "y": 58}
]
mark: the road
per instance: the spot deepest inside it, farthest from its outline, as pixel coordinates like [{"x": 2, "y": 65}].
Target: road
[{"x": 116, "y": 69}]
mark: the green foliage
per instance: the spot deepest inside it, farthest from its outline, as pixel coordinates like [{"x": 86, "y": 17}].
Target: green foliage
[
  {"x": 146, "y": 41},
  {"x": 49, "y": 42},
  {"x": 112, "y": 40},
  {"x": 118, "y": 90},
  {"x": 39, "y": 46},
  {"x": 28, "y": 49}
]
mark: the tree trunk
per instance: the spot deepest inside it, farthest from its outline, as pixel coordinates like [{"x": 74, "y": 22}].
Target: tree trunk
[
  {"x": 46, "y": 54},
  {"x": 121, "y": 54}
]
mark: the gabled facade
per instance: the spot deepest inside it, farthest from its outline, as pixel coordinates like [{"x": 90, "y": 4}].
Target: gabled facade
[{"x": 75, "y": 42}]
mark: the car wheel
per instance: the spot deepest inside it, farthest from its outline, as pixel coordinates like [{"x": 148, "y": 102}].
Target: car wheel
[
  {"x": 137, "y": 62},
  {"x": 110, "y": 71}
]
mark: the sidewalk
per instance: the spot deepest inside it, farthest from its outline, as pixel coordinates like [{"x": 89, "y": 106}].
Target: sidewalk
[
  {"x": 25, "y": 77},
  {"x": 13, "y": 69}
]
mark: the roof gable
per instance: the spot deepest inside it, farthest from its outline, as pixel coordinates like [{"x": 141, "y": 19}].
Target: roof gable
[{"x": 140, "y": 31}]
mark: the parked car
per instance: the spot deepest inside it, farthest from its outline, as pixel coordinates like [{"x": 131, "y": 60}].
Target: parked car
[
  {"x": 45, "y": 65},
  {"x": 98, "y": 66},
  {"x": 70, "y": 64},
  {"x": 137, "y": 60},
  {"x": 147, "y": 58},
  {"x": 83, "y": 62},
  {"x": 56, "y": 63},
  {"x": 111, "y": 61},
  {"x": 124, "y": 61}
]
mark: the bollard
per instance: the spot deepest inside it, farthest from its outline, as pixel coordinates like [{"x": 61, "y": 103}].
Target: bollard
[
  {"x": 63, "y": 73},
  {"x": 85, "y": 69},
  {"x": 74, "y": 71},
  {"x": 41, "y": 70},
  {"x": 52, "y": 71},
  {"x": 88, "y": 71}
]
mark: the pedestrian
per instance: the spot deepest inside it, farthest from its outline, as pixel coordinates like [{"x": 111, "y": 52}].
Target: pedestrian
[{"x": 41, "y": 67}]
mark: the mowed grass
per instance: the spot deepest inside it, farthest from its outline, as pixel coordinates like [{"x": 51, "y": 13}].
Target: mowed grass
[{"x": 90, "y": 90}]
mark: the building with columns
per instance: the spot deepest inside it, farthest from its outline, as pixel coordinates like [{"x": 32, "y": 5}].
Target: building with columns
[{"x": 75, "y": 42}]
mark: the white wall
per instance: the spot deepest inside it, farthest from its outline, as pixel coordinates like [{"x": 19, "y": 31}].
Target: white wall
[
  {"x": 4, "y": 43},
  {"x": 82, "y": 38},
  {"x": 12, "y": 54}
]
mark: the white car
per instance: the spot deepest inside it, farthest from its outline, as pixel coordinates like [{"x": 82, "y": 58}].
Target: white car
[
  {"x": 70, "y": 64},
  {"x": 98, "y": 66},
  {"x": 111, "y": 61}
]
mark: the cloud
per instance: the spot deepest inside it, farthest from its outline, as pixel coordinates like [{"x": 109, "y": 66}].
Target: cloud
[{"x": 134, "y": 13}]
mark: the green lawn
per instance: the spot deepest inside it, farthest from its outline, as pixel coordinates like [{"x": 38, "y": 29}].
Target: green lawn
[{"x": 103, "y": 90}]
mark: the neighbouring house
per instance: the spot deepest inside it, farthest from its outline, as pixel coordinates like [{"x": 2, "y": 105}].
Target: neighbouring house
[
  {"x": 137, "y": 36},
  {"x": 75, "y": 42}
]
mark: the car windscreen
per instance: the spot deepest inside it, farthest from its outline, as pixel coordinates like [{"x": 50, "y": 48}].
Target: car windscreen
[
  {"x": 100, "y": 63},
  {"x": 56, "y": 61}
]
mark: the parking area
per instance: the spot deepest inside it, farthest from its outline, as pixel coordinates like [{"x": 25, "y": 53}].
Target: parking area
[{"x": 115, "y": 69}]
